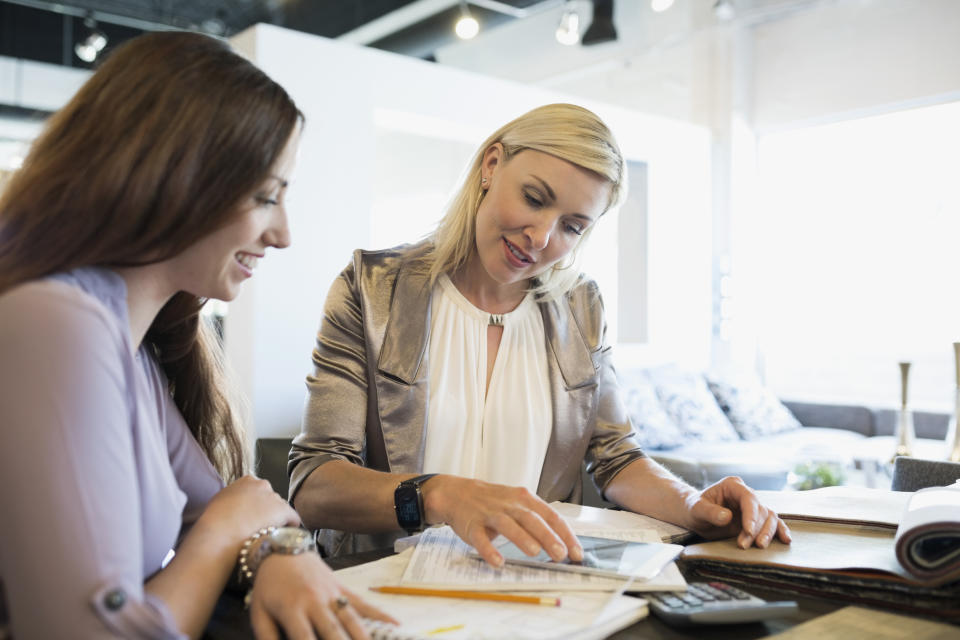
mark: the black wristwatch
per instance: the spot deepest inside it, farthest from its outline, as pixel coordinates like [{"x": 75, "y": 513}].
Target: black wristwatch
[{"x": 408, "y": 503}]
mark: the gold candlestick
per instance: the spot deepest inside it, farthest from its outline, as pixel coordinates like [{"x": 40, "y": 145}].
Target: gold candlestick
[
  {"x": 953, "y": 434},
  {"x": 905, "y": 433}
]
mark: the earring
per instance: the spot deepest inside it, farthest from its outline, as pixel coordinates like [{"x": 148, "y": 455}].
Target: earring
[{"x": 483, "y": 181}]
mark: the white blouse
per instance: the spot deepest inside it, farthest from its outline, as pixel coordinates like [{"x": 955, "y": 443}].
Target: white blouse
[{"x": 502, "y": 435}]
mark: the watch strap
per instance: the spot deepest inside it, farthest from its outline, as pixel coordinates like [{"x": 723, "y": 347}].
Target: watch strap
[
  {"x": 410, "y": 518},
  {"x": 282, "y": 540}
]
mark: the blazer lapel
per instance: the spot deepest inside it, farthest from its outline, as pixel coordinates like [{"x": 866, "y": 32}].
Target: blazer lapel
[
  {"x": 401, "y": 376},
  {"x": 573, "y": 380}
]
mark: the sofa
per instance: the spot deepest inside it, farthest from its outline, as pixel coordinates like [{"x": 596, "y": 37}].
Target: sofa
[{"x": 704, "y": 426}]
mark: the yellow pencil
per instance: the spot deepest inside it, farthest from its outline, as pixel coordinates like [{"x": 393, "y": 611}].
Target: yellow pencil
[
  {"x": 455, "y": 627},
  {"x": 471, "y": 595}
]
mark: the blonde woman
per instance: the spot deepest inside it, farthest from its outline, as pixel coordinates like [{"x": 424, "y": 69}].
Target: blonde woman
[
  {"x": 466, "y": 378},
  {"x": 125, "y": 505}
]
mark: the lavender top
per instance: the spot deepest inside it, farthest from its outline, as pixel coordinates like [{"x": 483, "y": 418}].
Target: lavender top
[{"x": 99, "y": 474}]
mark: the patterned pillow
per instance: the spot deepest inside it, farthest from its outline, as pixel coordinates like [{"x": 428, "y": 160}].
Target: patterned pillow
[
  {"x": 752, "y": 408},
  {"x": 654, "y": 427},
  {"x": 688, "y": 401}
]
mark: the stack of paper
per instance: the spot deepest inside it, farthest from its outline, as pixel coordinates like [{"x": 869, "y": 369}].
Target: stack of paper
[
  {"x": 591, "y": 606},
  {"x": 581, "y": 616},
  {"x": 843, "y": 548}
]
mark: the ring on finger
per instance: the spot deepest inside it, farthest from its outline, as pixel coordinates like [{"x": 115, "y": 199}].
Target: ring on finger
[{"x": 341, "y": 602}]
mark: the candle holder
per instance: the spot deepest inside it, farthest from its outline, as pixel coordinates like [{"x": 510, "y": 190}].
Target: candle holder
[
  {"x": 905, "y": 433},
  {"x": 952, "y": 439}
]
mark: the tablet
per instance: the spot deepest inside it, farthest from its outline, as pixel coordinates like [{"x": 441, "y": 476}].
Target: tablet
[{"x": 601, "y": 556}]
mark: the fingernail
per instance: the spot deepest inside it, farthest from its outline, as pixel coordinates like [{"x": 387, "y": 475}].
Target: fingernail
[
  {"x": 558, "y": 551},
  {"x": 498, "y": 561},
  {"x": 764, "y": 540},
  {"x": 533, "y": 549},
  {"x": 576, "y": 553},
  {"x": 751, "y": 527}
]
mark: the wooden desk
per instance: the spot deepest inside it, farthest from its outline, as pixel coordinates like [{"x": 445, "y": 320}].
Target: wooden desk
[{"x": 232, "y": 622}]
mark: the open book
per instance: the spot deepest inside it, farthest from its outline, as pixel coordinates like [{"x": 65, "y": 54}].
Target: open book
[
  {"x": 928, "y": 539},
  {"x": 843, "y": 548}
]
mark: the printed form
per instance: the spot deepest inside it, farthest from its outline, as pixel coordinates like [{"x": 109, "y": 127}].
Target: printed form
[{"x": 442, "y": 560}]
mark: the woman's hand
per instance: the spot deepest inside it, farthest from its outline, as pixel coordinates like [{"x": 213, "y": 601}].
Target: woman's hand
[
  {"x": 243, "y": 507},
  {"x": 299, "y": 595},
  {"x": 478, "y": 511},
  {"x": 730, "y": 508}
]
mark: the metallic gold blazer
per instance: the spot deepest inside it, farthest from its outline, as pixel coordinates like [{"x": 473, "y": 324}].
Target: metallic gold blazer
[{"x": 368, "y": 395}]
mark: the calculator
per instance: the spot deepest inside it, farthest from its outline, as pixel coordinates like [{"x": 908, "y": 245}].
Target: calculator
[{"x": 714, "y": 603}]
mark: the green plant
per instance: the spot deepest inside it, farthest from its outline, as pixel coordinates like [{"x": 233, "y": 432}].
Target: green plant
[{"x": 813, "y": 475}]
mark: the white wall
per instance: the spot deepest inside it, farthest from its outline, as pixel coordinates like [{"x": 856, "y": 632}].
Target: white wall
[
  {"x": 30, "y": 85},
  {"x": 351, "y": 96},
  {"x": 855, "y": 58},
  {"x": 37, "y": 85}
]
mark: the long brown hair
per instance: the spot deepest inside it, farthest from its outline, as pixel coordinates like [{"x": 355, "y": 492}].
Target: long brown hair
[{"x": 156, "y": 150}]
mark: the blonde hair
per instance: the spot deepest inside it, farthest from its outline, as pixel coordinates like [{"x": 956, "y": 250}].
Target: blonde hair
[{"x": 566, "y": 131}]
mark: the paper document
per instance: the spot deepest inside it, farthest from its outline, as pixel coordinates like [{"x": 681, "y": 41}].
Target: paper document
[
  {"x": 588, "y": 520},
  {"x": 441, "y": 560},
  {"x": 841, "y": 505},
  {"x": 816, "y": 545},
  {"x": 429, "y": 617}
]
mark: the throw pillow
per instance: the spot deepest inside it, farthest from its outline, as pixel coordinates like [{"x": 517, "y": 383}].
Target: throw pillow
[
  {"x": 752, "y": 408},
  {"x": 654, "y": 427},
  {"x": 688, "y": 401}
]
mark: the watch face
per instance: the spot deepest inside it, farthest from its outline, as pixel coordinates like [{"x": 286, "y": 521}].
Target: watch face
[
  {"x": 290, "y": 539},
  {"x": 408, "y": 506}
]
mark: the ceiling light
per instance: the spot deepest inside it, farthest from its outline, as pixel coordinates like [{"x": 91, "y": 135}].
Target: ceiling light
[
  {"x": 90, "y": 47},
  {"x": 602, "y": 28},
  {"x": 724, "y": 10},
  {"x": 568, "y": 32},
  {"x": 660, "y": 5},
  {"x": 467, "y": 26}
]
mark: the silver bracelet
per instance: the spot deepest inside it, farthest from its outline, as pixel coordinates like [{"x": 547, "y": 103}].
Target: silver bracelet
[{"x": 247, "y": 572}]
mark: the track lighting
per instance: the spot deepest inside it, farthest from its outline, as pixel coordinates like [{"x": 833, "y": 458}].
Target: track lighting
[
  {"x": 91, "y": 46},
  {"x": 467, "y": 26},
  {"x": 568, "y": 32},
  {"x": 602, "y": 28}
]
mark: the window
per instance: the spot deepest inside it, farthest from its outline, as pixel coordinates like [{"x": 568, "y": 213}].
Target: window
[{"x": 854, "y": 258}]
